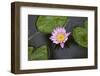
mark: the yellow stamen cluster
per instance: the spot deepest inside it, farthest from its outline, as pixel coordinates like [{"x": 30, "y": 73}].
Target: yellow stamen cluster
[{"x": 60, "y": 37}]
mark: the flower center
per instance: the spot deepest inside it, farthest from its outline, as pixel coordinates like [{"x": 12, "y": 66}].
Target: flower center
[{"x": 60, "y": 37}]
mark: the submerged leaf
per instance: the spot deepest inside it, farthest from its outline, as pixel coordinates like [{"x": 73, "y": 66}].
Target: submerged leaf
[{"x": 46, "y": 24}]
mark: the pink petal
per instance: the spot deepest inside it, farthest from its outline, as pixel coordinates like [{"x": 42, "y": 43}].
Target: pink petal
[
  {"x": 52, "y": 38},
  {"x": 68, "y": 34},
  {"x": 63, "y": 30},
  {"x": 55, "y": 42},
  {"x": 65, "y": 39},
  {"x": 62, "y": 45},
  {"x": 54, "y": 34},
  {"x": 58, "y": 29},
  {"x": 55, "y": 31}
]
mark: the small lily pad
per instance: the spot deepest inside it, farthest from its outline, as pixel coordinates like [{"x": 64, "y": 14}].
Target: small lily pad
[
  {"x": 80, "y": 36},
  {"x": 38, "y": 53},
  {"x": 46, "y": 24}
]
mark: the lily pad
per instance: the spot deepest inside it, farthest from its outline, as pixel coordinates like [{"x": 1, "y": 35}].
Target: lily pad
[
  {"x": 80, "y": 36},
  {"x": 30, "y": 49},
  {"x": 46, "y": 24},
  {"x": 86, "y": 25},
  {"x": 38, "y": 53}
]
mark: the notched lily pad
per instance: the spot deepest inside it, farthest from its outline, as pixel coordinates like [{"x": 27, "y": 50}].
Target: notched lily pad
[
  {"x": 46, "y": 24},
  {"x": 38, "y": 53},
  {"x": 80, "y": 36}
]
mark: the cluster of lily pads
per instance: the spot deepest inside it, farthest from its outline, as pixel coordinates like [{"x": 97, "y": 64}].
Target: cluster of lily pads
[{"x": 47, "y": 24}]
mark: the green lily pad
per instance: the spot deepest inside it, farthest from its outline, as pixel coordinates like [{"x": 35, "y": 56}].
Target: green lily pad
[
  {"x": 38, "y": 53},
  {"x": 80, "y": 36},
  {"x": 86, "y": 25},
  {"x": 46, "y": 24},
  {"x": 30, "y": 49}
]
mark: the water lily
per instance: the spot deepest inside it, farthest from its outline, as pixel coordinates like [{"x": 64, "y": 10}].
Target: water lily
[{"x": 60, "y": 36}]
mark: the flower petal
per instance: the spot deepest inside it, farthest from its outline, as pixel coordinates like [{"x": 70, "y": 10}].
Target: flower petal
[
  {"x": 68, "y": 33},
  {"x": 62, "y": 45},
  {"x": 65, "y": 39},
  {"x": 56, "y": 42},
  {"x": 54, "y": 34},
  {"x": 52, "y": 38}
]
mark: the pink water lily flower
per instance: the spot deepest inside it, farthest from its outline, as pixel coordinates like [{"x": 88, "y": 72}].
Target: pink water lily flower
[{"x": 59, "y": 36}]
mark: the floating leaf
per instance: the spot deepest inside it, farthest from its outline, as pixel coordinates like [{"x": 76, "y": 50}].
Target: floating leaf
[
  {"x": 80, "y": 36},
  {"x": 46, "y": 24},
  {"x": 39, "y": 53},
  {"x": 30, "y": 49},
  {"x": 86, "y": 25}
]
